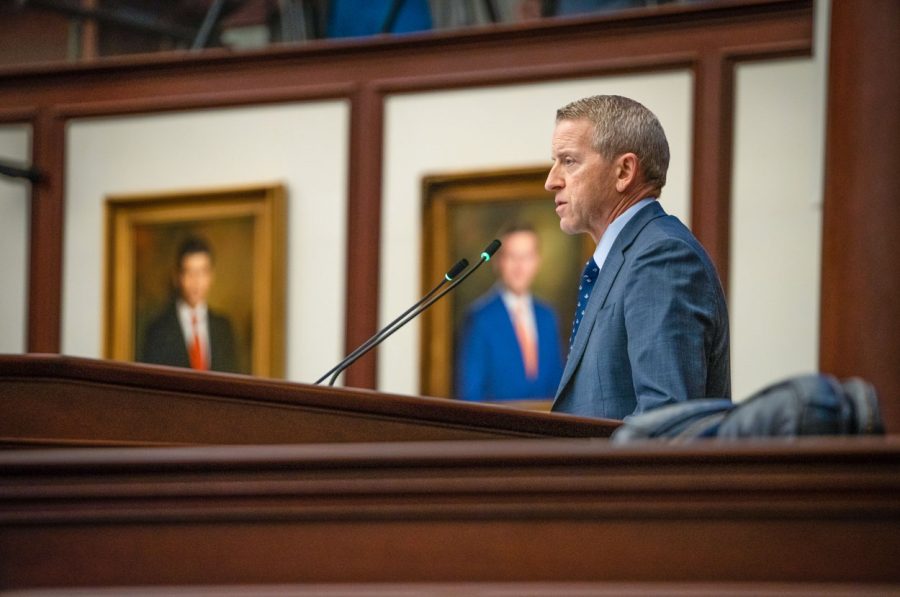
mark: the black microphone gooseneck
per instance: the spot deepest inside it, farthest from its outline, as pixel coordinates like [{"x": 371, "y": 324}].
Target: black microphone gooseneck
[
  {"x": 448, "y": 277},
  {"x": 414, "y": 312}
]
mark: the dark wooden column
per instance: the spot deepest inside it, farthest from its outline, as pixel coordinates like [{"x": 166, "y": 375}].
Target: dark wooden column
[
  {"x": 363, "y": 230},
  {"x": 860, "y": 322},
  {"x": 45, "y": 273},
  {"x": 711, "y": 167}
]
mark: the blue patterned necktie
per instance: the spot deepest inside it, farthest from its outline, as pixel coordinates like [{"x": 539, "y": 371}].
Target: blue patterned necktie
[{"x": 588, "y": 279}]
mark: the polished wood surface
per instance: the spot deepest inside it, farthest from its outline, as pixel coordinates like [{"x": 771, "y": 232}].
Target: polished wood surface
[
  {"x": 516, "y": 511},
  {"x": 486, "y": 589},
  {"x": 58, "y": 401}
]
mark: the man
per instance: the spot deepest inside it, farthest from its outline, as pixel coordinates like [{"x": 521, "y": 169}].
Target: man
[
  {"x": 187, "y": 333},
  {"x": 651, "y": 326},
  {"x": 509, "y": 348}
]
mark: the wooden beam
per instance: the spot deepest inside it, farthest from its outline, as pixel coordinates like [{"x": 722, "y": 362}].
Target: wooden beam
[
  {"x": 46, "y": 239},
  {"x": 860, "y": 321}
]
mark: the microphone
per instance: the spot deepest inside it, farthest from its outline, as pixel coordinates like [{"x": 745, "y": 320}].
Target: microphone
[
  {"x": 448, "y": 277},
  {"x": 411, "y": 313}
]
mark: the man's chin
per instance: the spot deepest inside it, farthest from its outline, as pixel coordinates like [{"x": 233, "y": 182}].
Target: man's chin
[{"x": 567, "y": 227}]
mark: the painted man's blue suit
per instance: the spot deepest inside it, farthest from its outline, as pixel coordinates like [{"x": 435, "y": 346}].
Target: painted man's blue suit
[
  {"x": 489, "y": 361},
  {"x": 655, "y": 329}
]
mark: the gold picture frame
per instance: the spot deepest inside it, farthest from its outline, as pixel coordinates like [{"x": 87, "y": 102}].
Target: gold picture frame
[
  {"x": 463, "y": 212},
  {"x": 244, "y": 225}
]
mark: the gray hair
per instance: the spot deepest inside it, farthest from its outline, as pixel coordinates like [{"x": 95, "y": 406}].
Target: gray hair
[{"x": 622, "y": 125}]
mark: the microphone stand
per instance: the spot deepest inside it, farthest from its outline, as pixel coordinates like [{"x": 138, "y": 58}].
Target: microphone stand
[
  {"x": 454, "y": 271},
  {"x": 411, "y": 314}
]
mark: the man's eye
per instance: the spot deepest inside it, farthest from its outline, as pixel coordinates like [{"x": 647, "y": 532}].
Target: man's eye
[{"x": 568, "y": 161}]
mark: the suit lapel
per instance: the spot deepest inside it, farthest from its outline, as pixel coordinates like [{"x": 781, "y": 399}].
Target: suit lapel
[
  {"x": 179, "y": 343},
  {"x": 608, "y": 274}
]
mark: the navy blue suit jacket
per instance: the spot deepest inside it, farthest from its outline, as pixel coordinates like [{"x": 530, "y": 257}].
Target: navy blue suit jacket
[
  {"x": 655, "y": 329},
  {"x": 489, "y": 361}
]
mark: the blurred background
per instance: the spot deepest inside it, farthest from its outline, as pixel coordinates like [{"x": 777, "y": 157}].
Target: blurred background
[{"x": 34, "y": 31}]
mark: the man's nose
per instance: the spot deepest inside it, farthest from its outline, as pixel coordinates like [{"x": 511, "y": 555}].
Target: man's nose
[{"x": 554, "y": 181}]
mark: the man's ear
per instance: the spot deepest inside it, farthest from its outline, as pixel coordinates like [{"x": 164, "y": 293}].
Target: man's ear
[{"x": 626, "y": 171}]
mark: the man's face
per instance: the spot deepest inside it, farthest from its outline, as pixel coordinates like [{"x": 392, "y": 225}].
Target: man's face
[
  {"x": 518, "y": 261},
  {"x": 582, "y": 180},
  {"x": 195, "y": 278}
]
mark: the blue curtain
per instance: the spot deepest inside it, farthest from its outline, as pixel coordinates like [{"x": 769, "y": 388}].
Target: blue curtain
[{"x": 357, "y": 18}]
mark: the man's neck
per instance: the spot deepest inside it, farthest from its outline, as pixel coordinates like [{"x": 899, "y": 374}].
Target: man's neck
[
  {"x": 625, "y": 203},
  {"x": 183, "y": 304},
  {"x": 513, "y": 293}
]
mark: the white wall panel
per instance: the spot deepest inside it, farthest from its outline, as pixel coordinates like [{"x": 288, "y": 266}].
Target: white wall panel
[
  {"x": 303, "y": 145},
  {"x": 15, "y": 220},
  {"x": 776, "y": 222},
  {"x": 482, "y": 129}
]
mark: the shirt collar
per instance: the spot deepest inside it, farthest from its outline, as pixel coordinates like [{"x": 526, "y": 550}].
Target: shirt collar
[
  {"x": 184, "y": 310},
  {"x": 511, "y": 300},
  {"x": 615, "y": 228}
]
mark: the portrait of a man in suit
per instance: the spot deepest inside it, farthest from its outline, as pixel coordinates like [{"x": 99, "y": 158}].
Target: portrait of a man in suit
[
  {"x": 509, "y": 346},
  {"x": 187, "y": 333},
  {"x": 651, "y": 324}
]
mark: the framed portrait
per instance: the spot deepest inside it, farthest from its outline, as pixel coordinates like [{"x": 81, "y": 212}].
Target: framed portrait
[
  {"x": 462, "y": 214},
  {"x": 242, "y": 232}
]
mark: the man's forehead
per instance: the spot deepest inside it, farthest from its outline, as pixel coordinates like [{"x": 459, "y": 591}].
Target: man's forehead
[
  {"x": 521, "y": 240},
  {"x": 520, "y": 235},
  {"x": 568, "y": 131},
  {"x": 199, "y": 258}
]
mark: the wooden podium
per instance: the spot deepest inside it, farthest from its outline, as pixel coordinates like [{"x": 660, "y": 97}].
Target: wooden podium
[
  {"x": 397, "y": 509},
  {"x": 65, "y": 401}
]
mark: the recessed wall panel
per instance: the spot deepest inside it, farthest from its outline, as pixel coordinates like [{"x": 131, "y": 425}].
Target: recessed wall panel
[
  {"x": 302, "y": 145},
  {"x": 776, "y": 223}
]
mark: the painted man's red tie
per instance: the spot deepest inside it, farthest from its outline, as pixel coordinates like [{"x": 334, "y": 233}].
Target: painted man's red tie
[{"x": 198, "y": 361}]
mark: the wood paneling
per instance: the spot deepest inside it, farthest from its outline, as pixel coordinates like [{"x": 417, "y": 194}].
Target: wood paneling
[
  {"x": 713, "y": 147},
  {"x": 494, "y": 589},
  {"x": 364, "y": 231},
  {"x": 704, "y": 37},
  {"x": 59, "y": 401},
  {"x": 35, "y": 36},
  {"x": 46, "y": 238},
  {"x": 860, "y": 320},
  {"x": 518, "y": 511}
]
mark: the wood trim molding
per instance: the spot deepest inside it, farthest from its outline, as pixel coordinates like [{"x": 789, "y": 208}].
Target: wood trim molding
[
  {"x": 364, "y": 231},
  {"x": 207, "y": 100},
  {"x": 712, "y": 146},
  {"x": 17, "y": 115},
  {"x": 539, "y": 73},
  {"x": 493, "y": 589},
  {"x": 816, "y": 510},
  {"x": 46, "y": 238}
]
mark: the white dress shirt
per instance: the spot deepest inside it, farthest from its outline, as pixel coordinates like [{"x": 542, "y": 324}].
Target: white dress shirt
[
  {"x": 615, "y": 227},
  {"x": 187, "y": 328},
  {"x": 512, "y": 300}
]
